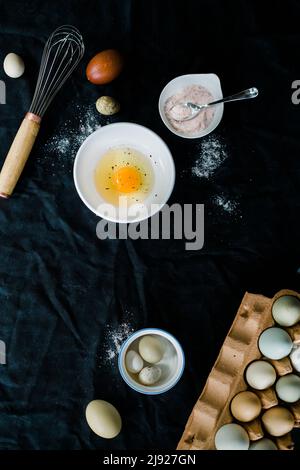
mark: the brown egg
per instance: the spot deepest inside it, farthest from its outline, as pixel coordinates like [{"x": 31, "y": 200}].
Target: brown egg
[
  {"x": 278, "y": 421},
  {"x": 104, "y": 67},
  {"x": 245, "y": 406}
]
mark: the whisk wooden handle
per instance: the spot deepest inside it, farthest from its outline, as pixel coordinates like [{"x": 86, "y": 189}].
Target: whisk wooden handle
[{"x": 18, "y": 154}]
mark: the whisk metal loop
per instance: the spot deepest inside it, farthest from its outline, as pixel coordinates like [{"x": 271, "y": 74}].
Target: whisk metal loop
[{"x": 62, "y": 53}]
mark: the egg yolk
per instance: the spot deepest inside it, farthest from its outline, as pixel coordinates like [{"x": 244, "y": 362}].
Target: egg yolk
[{"x": 126, "y": 179}]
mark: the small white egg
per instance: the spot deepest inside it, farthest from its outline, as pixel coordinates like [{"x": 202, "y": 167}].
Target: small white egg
[
  {"x": 295, "y": 356},
  {"x": 263, "y": 444},
  {"x": 232, "y": 437},
  {"x": 151, "y": 349},
  {"x": 133, "y": 361},
  {"x": 288, "y": 388},
  {"x": 13, "y": 65},
  {"x": 103, "y": 418},
  {"x": 260, "y": 375},
  {"x": 286, "y": 310},
  {"x": 275, "y": 343},
  {"x": 150, "y": 375}
]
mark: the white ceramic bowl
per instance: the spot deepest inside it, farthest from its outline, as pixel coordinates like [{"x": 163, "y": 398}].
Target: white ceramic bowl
[
  {"x": 171, "y": 364},
  {"x": 131, "y": 135},
  {"x": 207, "y": 80}
]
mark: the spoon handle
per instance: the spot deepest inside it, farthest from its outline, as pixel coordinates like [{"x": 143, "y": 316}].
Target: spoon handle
[{"x": 242, "y": 95}]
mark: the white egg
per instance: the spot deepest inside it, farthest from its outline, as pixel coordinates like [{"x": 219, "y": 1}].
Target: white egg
[
  {"x": 275, "y": 343},
  {"x": 151, "y": 349},
  {"x": 232, "y": 437},
  {"x": 263, "y": 444},
  {"x": 295, "y": 356},
  {"x": 288, "y": 388},
  {"x": 150, "y": 375},
  {"x": 286, "y": 310},
  {"x": 103, "y": 418},
  {"x": 134, "y": 363},
  {"x": 13, "y": 65},
  {"x": 260, "y": 375}
]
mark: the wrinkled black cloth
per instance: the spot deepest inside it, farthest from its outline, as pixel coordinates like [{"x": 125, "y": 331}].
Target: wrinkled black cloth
[{"x": 61, "y": 288}]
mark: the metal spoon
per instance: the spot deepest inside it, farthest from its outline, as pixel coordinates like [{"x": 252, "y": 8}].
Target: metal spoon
[{"x": 195, "y": 109}]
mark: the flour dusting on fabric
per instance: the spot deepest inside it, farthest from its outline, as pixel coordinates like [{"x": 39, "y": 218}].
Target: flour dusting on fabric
[
  {"x": 212, "y": 153},
  {"x": 226, "y": 204},
  {"x": 60, "y": 150},
  {"x": 114, "y": 339}
]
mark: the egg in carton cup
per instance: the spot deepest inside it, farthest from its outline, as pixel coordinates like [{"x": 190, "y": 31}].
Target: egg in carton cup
[{"x": 241, "y": 405}]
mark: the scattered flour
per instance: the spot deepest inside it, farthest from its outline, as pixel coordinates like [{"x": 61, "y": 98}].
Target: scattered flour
[
  {"x": 114, "y": 340},
  {"x": 226, "y": 204},
  {"x": 60, "y": 150},
  {"x": 212, "y": 154}
]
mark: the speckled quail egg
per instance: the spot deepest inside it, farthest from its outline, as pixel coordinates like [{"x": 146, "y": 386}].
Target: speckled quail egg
[
  {"x": 107, "y": 105},
  {"x": 150, "y": 375}
]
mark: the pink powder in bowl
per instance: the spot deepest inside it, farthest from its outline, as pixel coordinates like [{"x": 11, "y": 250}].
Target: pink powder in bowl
[{"x": 173, "y": 108}]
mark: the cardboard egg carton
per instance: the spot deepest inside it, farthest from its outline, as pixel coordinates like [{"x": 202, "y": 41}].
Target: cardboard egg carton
[{"x": 226, "y": 379}]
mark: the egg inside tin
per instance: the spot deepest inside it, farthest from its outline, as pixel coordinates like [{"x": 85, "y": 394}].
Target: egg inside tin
[
  {"x": 163, "y": 356},
  {"x": 124, "y": 172},
  {"x": 151, "y": 349},
  {"x": 133, "y": 362},
  {"x": 150, "y": 375}
]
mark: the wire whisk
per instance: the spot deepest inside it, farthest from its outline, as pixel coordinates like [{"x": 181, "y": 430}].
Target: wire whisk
[{"x": 62, "y": 53}]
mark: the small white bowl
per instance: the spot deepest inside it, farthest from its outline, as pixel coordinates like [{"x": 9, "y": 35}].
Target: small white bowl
[
  {"x": 134, "y": 136},
  {"x": 171, "y": 364},
  {"x": 207, "y": 80}
]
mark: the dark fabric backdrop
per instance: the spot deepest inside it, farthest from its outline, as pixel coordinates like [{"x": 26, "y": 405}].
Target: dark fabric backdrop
[{"x": 61, "y": 287}]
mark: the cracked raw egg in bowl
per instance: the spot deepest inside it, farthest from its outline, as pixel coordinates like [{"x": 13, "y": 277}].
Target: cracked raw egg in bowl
[{"x": 124, "y": 172}]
